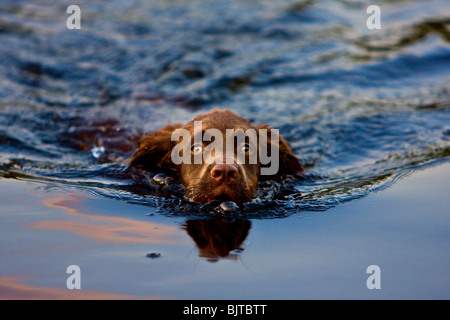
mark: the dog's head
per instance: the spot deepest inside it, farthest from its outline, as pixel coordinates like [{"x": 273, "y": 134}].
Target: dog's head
[{"x": 218, "y": 156}]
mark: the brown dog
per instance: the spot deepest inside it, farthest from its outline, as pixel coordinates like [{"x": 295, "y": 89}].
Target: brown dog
[{"x": 218, "y": 175}]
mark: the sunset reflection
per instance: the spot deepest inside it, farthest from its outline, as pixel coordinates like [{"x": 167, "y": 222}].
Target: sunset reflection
[
  {"x": 104, "y": 228},
  {"x": 13, "y": 288}
]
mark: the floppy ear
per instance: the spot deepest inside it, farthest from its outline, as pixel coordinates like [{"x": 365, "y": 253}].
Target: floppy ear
[
  {"x": 288, "y": 162},
  {"x": 154, "y": 152}
]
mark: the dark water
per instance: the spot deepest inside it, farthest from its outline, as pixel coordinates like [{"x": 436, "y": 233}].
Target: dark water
[{"x": 360, "y": 107}]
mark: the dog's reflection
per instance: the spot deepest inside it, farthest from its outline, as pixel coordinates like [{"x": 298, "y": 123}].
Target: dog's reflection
[{"x": 218, "y": 239}]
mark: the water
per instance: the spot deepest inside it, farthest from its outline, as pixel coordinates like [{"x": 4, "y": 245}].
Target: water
[{"x": 361, "y": 108}]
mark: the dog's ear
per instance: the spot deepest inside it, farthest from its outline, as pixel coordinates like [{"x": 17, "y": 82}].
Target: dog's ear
[
  {"x": 154, "y": 152},
  {"x": 288, "y": 162}
]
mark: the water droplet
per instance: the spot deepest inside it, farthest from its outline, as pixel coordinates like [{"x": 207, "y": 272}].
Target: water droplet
[
  {"x": 160, "y": 178},
  {"x": 168, "y": 180},
  {"x": 228, "y": 206},
  {"x": 97, "y": 152}
]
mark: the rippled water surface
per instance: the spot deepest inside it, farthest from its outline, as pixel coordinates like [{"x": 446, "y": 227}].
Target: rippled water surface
[{"x": 360, "y": 107}]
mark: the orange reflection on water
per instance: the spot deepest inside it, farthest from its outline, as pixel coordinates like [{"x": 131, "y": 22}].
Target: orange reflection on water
[
  {"x": 104, "y": 228},
  {"x": 13, "y": 288}
]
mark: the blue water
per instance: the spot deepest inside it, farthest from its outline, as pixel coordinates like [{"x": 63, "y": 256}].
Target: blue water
[{"x": 361, "y": 108}]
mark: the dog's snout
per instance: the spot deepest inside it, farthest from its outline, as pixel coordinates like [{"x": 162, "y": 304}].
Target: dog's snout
[{"x": 224, "y": 173}]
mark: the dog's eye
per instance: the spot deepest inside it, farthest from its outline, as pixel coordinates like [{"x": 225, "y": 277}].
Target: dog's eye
[
  {"x": 196, "y": 148},
  {"x": 245, "y": 148}
]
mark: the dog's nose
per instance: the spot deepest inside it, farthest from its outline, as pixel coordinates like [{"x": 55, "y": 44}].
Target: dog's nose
[{"x": 224, "y": 173}]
